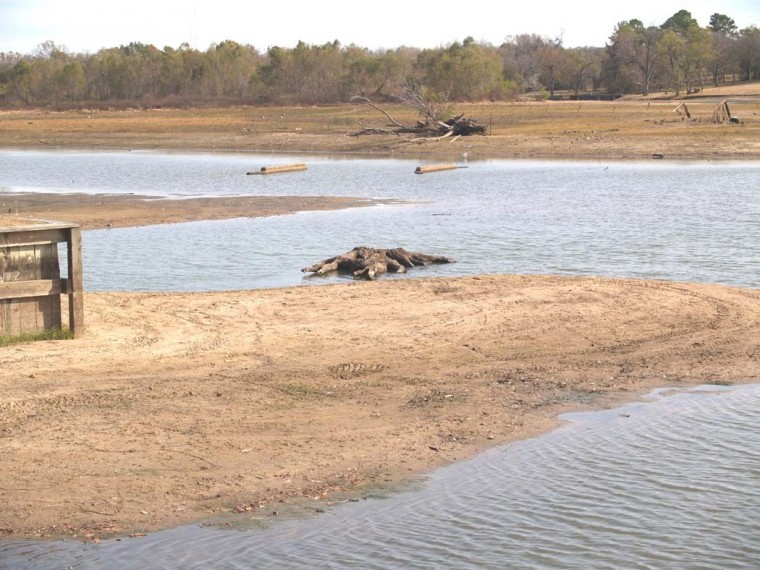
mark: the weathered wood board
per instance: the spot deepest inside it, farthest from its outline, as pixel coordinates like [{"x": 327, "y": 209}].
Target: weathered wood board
[
  {"x": 35, "y": 273},
  {"x": 30, "y": 276}
]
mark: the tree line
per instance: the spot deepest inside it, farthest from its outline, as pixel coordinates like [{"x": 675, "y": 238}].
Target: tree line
[{"x": 678, "y": 56}]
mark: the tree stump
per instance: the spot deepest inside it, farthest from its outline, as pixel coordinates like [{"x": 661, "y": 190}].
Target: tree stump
[{"x": 368, "y": 263}]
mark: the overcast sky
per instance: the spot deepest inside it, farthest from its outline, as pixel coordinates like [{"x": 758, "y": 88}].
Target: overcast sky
[{"x": 89, "y": 25}]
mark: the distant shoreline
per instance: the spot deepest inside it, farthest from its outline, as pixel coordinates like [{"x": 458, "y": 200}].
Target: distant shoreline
[{"x": 624, "y": 129}]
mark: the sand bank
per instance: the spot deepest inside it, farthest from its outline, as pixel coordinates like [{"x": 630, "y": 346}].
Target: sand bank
[{"x": 177, "y": 407}]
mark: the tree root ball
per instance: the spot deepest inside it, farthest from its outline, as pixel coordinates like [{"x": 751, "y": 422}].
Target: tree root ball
[{"x": 368, "y": 263}]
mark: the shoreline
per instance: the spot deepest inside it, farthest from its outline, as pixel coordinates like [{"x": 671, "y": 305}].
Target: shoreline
[
  {"x": 190, "y": 407},
  {"x": 432, "y": 154},
  {"x": 176, "y": 408},
  {"x": 99, "y": 211}
]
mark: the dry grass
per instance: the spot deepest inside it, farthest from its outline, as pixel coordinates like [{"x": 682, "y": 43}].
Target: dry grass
[{"x": 626, "y": 128}]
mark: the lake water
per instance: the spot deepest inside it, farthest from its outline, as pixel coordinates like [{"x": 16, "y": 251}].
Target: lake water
[
  {"x": 681, "y": 221},
  {"x": 670, "y": 483}
]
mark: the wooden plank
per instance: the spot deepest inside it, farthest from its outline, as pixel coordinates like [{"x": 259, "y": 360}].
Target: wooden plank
[
  {"x": 26, "y": 258},
  {"x": 37, "y": 227},
  {"x": 17, "y": 238},
  {"x": 15, "y": 266},
  {"x": 54, "y": 313},
  {"x": 5, "y": 317},
  {"x": 4, "y": 252},
  {"x": 5, "y": 312},
  {"x": 49, "y": 267},
  {"x": 14, "y": 321},
  {"x": 49, "y": 306},
  {"x": 28, "y": 313},
  {"x": 9, "y": 274},
  {"x": 30, "y": 283},
  {"x": 35, "y": 288},
  {"x": 30, "y": 288},
  {"x": 76, "y": 283}
]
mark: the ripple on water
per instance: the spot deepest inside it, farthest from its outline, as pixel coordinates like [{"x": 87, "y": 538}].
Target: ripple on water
[{"x": 670, "y": 483}]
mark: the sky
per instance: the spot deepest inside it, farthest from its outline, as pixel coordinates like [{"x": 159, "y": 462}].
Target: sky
[{"x": 86, "y": 26}]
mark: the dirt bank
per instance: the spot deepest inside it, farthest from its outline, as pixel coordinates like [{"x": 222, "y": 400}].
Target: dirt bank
[{"x": 177, "y": 407}]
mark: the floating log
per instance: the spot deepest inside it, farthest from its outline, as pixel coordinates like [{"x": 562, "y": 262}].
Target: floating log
[
  {"x": 368, "y": 263},
  {"x": 281, "y": 168},
  {"x": 435, "y": 168}
]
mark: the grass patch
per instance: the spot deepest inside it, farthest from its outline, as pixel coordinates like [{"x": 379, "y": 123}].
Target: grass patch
[{"x": 47, "y": 334}]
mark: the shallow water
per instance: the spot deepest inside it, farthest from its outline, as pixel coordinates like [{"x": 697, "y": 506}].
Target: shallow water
[
  {"x": 680, "y": 221},
  {"x": 670, "y": 482}
]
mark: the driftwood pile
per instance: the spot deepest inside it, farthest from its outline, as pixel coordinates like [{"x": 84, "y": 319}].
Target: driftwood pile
[
  {"x": 368, "y": 263},
  {"x": 432, "y": 127}
]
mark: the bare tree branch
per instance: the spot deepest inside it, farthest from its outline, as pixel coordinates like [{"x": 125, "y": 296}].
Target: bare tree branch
[
  {"x": 371, "y": 104},
  {"x": 433, "y": 127}
]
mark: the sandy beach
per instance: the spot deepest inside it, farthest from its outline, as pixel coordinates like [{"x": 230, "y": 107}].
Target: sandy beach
[{"x": 182, "y": 407}]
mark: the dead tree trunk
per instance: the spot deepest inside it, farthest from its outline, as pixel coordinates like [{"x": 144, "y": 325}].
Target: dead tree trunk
[{"x": 368, "y": 263}]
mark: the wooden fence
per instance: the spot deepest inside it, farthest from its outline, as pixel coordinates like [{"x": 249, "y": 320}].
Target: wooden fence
[{"x": 30, "y": 277}]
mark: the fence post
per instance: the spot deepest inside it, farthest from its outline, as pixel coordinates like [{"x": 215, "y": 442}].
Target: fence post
[{"x": 76, "y": 285}]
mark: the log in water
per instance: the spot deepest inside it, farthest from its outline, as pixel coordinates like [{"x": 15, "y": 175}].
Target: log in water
[
  {"x": 435, "y": 168},
  {"x": 280, "y": 168}
]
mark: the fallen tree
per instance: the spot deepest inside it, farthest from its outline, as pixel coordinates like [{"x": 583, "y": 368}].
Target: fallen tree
[
  {"x": 368, "y": 263},
  {"x": 432, "y": 126}
]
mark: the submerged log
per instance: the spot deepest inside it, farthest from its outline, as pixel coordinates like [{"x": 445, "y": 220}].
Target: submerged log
[{"x": 368, "y": 263}]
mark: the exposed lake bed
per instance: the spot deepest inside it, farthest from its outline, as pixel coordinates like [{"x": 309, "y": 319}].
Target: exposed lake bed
[{"x": 520, "y": 348}]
